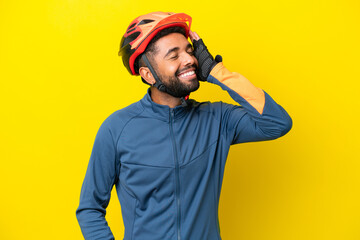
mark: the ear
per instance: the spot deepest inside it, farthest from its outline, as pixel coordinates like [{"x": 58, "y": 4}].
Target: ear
[{"x": 147, "y": 75}]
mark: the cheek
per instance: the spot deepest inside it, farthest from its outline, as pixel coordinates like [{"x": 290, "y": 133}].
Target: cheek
[{"x": 171, "y": 68}]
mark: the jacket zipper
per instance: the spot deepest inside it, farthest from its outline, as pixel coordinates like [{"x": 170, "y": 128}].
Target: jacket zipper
[{"x": 177, "y": 178}]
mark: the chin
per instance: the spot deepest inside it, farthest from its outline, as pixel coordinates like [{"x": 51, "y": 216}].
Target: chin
[
  {"x": 196, "y": 86},
  {"x": 194, "y": 81}
]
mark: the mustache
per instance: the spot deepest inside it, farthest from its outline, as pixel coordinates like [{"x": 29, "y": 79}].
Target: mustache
[{"x": 186, "y": 68}]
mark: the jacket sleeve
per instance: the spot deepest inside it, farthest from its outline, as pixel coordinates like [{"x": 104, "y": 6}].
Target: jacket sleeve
[
  {"x": 259, "y": 117},
  {"x": 96, "y": 188}
]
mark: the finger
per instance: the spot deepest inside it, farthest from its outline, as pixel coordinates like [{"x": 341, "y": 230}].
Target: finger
[
  {"x": 191, "y": 35},
  {"x": 196, "y": 36}
]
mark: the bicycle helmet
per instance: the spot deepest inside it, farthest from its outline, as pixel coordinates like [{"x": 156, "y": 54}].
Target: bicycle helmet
[{"x": 143, "y": 29}]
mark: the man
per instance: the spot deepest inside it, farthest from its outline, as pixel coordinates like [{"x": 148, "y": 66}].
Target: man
[{"x": 166, "y": 153}]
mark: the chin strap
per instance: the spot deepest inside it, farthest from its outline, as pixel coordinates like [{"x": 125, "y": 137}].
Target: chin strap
[{"x": 158, "y": 84}]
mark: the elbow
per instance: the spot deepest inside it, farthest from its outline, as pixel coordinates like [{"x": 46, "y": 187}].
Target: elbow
[
  {"x": 83, "y": 214},
  {"x": 286, "y": 126},
  {"x": 79, "y": 215},
  {"x": 280, "y": 129}
]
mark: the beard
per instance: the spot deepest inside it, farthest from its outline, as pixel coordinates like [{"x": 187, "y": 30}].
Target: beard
[{"x": 178, "y": 89}]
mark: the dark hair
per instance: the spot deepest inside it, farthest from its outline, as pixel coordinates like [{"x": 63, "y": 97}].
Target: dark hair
[{"x": 151, "y": 49}]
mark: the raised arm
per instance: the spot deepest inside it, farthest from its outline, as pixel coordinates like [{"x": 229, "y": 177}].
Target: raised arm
[{"x": 258, "y": 118}]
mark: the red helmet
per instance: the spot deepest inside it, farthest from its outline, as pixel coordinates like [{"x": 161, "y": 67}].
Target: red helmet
[{"x": 143, "y": 29}]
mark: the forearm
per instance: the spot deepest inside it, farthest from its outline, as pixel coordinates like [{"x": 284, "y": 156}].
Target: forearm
[
  {"x": 94, "y": 198},
  {"x": 241, "y": 85},
  {"x": 93, "y": 224}
]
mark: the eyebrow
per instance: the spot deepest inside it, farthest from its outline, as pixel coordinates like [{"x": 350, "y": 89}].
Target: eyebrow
[{"x": 176, "y": 49}]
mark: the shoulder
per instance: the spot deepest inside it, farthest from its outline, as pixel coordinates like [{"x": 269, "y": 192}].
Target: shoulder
[
  {"x": 210, "y": 107},
  {"x": 206, "y": 109},
  {"x": 216, "y": 109},
  {"x": 116, "y": 121},
  {"x": 126, "y": 113}
]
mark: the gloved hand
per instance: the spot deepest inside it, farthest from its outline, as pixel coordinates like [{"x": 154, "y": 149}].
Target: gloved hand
[{"x": 205, "y": 59}]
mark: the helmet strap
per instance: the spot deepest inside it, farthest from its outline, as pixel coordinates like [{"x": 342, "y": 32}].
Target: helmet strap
[{"x": 158, "y": 84}]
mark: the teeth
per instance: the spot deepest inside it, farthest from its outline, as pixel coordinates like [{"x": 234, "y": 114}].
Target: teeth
[{"x": 187, "y": 74}]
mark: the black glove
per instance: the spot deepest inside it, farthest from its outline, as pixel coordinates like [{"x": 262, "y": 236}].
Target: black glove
[{"x": 205, "y": 59}]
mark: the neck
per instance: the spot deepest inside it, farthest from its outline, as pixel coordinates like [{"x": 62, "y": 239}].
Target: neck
[{"x": 163, "y": 98}]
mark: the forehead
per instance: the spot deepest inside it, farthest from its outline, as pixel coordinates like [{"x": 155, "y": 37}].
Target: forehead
[{"x": 170, "y": 41}]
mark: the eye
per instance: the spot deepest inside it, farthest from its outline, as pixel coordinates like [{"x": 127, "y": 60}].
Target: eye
[{"x": 174, "y": 57}]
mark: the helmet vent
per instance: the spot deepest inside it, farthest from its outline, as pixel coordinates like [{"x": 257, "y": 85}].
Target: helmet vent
[
  {"x": 131, "y": 26},
  {"x": 129, "y": 31},
  {"x": 145, "y": 21},
  {"x": 130, "y": 38}
]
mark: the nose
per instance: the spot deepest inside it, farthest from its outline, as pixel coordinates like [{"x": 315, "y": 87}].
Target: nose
[{"x": 188, "y": 59}]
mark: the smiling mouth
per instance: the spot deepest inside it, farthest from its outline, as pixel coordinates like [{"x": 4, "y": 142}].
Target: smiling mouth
[{"x": 187, "y": 75}]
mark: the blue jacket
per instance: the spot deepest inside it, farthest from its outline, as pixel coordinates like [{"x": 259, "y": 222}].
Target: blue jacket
[{"x": 167, "y": 165}]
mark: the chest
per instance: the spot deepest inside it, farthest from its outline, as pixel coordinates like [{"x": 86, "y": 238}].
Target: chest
[{"x": 153, "y": 142}]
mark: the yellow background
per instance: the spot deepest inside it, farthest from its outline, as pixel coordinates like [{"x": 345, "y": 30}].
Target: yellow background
[{"x": 60, "y": 77}]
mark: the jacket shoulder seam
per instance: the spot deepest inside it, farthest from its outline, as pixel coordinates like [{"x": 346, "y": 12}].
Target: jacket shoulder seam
[{"x": 126, "y": 123}]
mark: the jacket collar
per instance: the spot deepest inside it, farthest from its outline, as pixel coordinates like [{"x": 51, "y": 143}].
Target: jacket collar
[{"x": 163, "y": 112}]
